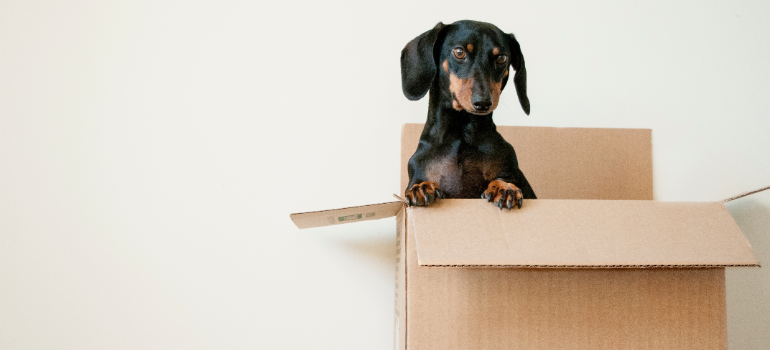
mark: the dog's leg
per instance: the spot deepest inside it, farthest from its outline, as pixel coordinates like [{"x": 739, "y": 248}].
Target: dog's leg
[
  {"x": 423, "y": 193},
  {"x": 524, "y": 185},
  {"x": 503, "y": 194}
]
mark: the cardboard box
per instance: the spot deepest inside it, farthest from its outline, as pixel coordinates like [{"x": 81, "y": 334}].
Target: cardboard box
[{"x": 593, "y": 263}]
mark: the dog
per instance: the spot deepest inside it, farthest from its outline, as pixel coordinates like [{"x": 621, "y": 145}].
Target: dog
[{"x": 465, "y": 67}]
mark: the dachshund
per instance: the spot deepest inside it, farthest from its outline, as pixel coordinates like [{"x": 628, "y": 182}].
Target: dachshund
[{"x": 465, "y": 67}]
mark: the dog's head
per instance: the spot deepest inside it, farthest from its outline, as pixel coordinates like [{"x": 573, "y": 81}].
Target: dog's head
[{"x": 471, "y": 62}]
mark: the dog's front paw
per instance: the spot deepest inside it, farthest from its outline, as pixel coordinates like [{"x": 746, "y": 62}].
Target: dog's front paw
[
  {"x": 423, "y": 193},
  {"x": 503, "y": 194}
]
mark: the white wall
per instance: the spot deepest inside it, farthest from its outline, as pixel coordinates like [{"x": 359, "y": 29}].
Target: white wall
[{"x": 151, "y": 152}]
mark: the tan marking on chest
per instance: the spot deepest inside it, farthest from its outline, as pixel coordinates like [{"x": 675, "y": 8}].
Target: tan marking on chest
[
  {"x": 441, "y": 168},
  {"x": 447, "y": 173}
]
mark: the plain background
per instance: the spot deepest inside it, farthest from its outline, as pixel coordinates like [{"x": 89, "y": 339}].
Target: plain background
[{"x": 152, "y": 151}]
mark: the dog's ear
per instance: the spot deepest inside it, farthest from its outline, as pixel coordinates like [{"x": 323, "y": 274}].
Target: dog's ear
[
  {"x": 418, "y": 66},
  {"x": 520, "y": 79}
]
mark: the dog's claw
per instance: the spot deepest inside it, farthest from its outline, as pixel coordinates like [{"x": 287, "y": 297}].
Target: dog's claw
[
  {"x": 503, "y": 194},
  {"x": 423, "y": 194}
]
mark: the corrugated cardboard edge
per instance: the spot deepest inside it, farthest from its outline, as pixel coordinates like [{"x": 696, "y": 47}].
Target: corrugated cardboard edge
[
  {"x": 594, "y": 266},
  {"x": 401, "y": 282}
]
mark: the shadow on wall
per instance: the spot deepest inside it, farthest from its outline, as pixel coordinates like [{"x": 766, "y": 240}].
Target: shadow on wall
[
  {"x": 748, "y": 289},
  {"x": 373, "y": 242}
]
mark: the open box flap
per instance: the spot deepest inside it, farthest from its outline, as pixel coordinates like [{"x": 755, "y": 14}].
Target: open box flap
[
  {"x": 346, "y": 215},
  {"x": 579, "y": 233}
]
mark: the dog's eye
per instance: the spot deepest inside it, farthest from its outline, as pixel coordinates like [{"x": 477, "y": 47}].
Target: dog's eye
[
  {"x": 459, "y": 52},
  {"x": 502, "y": 59}
]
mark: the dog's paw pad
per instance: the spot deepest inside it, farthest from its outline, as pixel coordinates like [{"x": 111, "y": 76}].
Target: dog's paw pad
[
  {"x": 423, "y": 193},
  {"x": 503, "y": 194}
]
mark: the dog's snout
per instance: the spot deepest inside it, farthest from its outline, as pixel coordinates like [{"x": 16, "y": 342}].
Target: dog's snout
[{"x": 482, "y": 103}]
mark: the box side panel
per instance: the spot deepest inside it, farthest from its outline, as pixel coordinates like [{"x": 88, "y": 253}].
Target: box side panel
[
  {"x": 400, "y": 313},
  {"x": 570, "y": 163},
  {"x": 410, "y": 259},
  {"x": 486, "y": 309},
  {"x": 579, "y": 233},
  {"x": 584, "y": 163}
]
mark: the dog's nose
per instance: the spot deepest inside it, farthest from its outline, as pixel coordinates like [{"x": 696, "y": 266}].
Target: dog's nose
[{"x": 482, "y": 104}]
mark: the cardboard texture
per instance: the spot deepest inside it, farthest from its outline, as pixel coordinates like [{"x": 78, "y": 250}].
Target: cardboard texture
[
  {"x": 579, "y": 233},
  {"x": 346, "y": 215},
  {"x": 593, "y": 263},
  {"x": 400, "y": 321}
]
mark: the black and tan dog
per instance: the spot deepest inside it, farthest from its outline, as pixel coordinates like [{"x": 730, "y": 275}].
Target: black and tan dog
[{"x": 465, "y": 66}]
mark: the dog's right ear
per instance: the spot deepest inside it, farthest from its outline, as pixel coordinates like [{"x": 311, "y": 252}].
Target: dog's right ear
[
  {"x": 520, "y": 79},
  {"x": 418, "y": 66}
]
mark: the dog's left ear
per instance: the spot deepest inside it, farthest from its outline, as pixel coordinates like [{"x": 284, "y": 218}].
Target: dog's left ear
[
  {"x": 418, "y": 66},
  {"x": 520, "y": 79}
]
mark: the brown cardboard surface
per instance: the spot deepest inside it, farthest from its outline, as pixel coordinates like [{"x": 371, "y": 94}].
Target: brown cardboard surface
[
  {"x": 512, "y": 308},
  {"x": 492, "y": 308},
  {"x": 579, "y": 233},
  {"x": 346, "y": 215},
  {"x": 399, "y": 342},
  {"x": 570, "y": 163}
]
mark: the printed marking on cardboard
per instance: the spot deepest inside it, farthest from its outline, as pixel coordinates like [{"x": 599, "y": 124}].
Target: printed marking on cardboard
[{"x": 350, "y": 217}]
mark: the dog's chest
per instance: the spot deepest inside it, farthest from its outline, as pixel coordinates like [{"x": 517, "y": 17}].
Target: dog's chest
[{"x": 461, "y": 171}]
